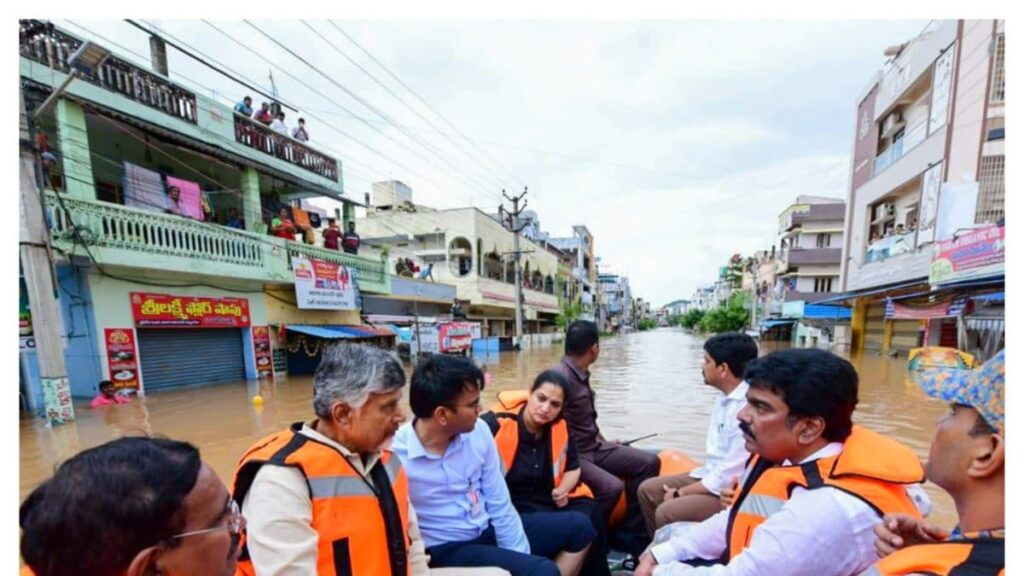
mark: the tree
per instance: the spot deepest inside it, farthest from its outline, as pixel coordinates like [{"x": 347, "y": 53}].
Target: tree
[
  {"x": 729, "y": 318},
  {"x": 569, "y": 313},
  {"x": 647, "y": 324},
  {"x": 692, "y": 318}
]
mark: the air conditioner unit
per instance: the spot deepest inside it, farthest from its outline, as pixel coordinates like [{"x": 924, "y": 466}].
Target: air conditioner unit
[{"x": 892, "y": 123}]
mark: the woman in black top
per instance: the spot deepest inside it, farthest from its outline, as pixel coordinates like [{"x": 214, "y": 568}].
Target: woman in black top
[{"x": 559, "y": 523}]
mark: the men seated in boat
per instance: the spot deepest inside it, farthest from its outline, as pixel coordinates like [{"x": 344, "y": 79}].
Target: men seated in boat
[
  {"x": 814, "y": 489},
  {"x": 967, "y": 459},
  {"x": 604, "y": 463},
  {"x": 455, "y": 477},
  {"x": 694, "y": 497}
]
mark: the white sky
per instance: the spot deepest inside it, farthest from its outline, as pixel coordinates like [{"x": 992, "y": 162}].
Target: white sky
[{"x": 677, "y": 143}]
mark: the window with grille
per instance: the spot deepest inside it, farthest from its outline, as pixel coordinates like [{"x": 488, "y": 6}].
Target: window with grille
[
  {"x": 999, "y": 70},
  {"x": 824, "y": 240},
  {"x": 991, "y": 190},
  {"x": 823, "y": 284}
]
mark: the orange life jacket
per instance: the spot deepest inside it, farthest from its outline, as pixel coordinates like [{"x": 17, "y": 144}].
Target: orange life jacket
[
  {"x": 507, "y": 439},
  {"x": 363, "y": 528},
  {"x": 871, "y": 467},
  {"x": 26, "y": 571},
  {"x": 974, "y": 557}
]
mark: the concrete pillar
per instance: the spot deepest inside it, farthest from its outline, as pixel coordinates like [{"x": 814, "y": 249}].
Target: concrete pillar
[
  {"x": 74, "y": 148},
  {"x": 349, "y": 215},
  {"x": 858, "y": 325},
  {"x": 158, "y": 55},
  {"x": 887, "y": 335},
  {"x": 252, "y": 211}
]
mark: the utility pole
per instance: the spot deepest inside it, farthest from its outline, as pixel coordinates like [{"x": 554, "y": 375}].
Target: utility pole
[
  {"x": 755, "y": 300},
  {"x": 36, "y": 265},
  {"x": 510, "y": 220}
]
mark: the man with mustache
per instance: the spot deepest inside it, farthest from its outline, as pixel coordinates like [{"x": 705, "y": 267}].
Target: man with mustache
[
  {"x": 814, "y": 488},
  {"x": 325, "y": 498}
]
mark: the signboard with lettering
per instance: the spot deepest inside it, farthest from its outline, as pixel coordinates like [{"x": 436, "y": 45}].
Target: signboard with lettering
[
  {"x": 973, "y": 254},
  {"x": 263, "y": 351},
  {"x": 456, "y": 336},
  {"x": 122, "y": 357},
  {"x": 169, "y": 311},
  {"x": 323, "y": 285}
]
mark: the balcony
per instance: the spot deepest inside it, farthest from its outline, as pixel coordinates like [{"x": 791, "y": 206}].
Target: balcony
[
  {"x": 505, "y": 292},
  {"x": 44, "y": 44},
  {"x": 890, "y": 246},
  {"x": 130, "y": 237},
  {"x": 912, "y": 137},
  {"x": 801, "y": 256},
  {"x": 260, "y": 137}
]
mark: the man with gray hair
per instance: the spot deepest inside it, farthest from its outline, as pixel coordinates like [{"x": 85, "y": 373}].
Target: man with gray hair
[{"x": 325, "y": 498}]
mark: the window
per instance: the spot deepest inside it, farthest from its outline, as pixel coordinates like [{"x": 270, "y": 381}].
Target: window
[
  {"x": 823, "y": 284},
  {"x": 991, "y": 190},
  {"x": 824, "y": 240},
  {"x": 460, "y": 257},
  {"x": 999, "y": 70}
]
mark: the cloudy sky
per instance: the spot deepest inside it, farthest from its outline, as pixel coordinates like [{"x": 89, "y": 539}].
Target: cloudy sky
[{"x": 677, "y": 143}]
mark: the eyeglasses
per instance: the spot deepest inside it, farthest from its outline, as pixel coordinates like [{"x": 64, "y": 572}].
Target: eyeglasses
[{"x": 235, "y": 523}]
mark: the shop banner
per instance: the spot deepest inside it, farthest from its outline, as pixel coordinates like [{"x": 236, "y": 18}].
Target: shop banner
[
  {"x": 57, "y": 401},
  {"x": 323, "y": 285},
  {"x": 973, "y": 254},
  {"x": 456, "y": 336},
  {"x": 169, "y": 311},
  {"x": 426, "y": 340},
  {"x": 122, "y": 358},
  {"x": 263, "y": 351}
]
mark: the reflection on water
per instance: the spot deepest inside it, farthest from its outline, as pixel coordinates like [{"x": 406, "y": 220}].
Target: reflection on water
[{"x": 646, "y": 383}]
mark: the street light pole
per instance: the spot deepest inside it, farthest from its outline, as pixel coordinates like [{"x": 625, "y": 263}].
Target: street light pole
[{"x": 513, "y": 226}]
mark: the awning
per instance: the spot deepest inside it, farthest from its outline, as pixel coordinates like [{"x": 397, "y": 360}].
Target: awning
[
  {"x": 869, "y": 291},
  {"x": 334, "y": 332},
  {"x": 993, "y": 297},
  {"x": 984, "y": 323},
  {"x": 776, "y": 322},
  {"x": 824, "y": 312}
]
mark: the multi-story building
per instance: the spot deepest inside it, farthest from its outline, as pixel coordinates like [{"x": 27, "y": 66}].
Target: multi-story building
[
  {"x": 928, "y": 165},
  {"x": 580, "y": 247},
  {"x": 191, "y": 290},
  {"x": 471, "y": 250},
  {"x": 617, "y": 309}
]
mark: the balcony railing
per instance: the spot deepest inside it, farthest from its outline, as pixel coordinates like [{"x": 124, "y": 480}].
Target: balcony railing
[
  {"x": 175, "y": 243},
  {"x": 115, "y": 226},
  {"x": 911, "y": 138},
  {"x": 42, "y": 43},
  {"x": 260, "y": 137}
]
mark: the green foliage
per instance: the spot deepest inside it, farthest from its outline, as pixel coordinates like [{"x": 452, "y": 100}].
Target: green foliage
[
  {"x": 569, "y": 313},
  {"x": 727, "y": 318},
  {"x": 647, "y": 324},
  {"x": 675, "y": 320},
  {"x": 692, "y": 318}
]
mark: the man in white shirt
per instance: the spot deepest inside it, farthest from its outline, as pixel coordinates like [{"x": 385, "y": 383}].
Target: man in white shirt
[
  {"x": 694, "y": 497},
  {"x": 810, "y": 497}
]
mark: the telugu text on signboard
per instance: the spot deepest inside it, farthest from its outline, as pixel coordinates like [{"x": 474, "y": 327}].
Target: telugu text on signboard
[{"x": 323, "y": 285}]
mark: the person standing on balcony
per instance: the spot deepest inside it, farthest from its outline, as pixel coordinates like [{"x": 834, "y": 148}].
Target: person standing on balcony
[
  {"x": 278, "y": 125},
  {"x": 234, "y": 220},
  {"x": 282, "y": 226},
  {"x": 332, "y": 235},
  {"x": 299, "y": 133},
  {"x": 244, "y": 107},
  {"x": 264, "y": 115},
  {"x": 350, "y": 241},
  {"x": 175, "y": 207}
]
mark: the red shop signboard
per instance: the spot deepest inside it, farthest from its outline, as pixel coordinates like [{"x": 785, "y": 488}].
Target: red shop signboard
[
  {"x": 263, "y": 352},
  {"x": 122, "y": 357},
  {"x": 169, "y": 311}
]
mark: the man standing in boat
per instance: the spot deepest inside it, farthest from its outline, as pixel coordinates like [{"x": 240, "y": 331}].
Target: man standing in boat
[
  {"x": 604, "y": 463},
  {"x": 814, "y": 490}
]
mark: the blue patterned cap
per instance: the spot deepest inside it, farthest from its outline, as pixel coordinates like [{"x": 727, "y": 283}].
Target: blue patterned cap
[{"x": 981, "y": 389}]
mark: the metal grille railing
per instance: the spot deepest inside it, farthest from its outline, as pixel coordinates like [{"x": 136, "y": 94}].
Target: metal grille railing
[
  {"x": 260, "y": 137},
  {"x": 43, "y": 43},
  {"x": 999, "y": 70},
  {"x": 991, "y": 190}
]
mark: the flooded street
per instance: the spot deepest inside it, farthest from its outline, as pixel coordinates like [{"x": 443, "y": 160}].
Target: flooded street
[{"x": 648, "y": 382}]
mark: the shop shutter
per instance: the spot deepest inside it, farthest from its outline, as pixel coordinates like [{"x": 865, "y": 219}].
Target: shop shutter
[
  {"x": 874, "y": 329},
  {"x": 175, "y": 358},
  {"x": 905, "y": 334}
]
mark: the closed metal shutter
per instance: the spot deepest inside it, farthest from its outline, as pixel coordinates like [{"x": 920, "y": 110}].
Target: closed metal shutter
[
  {"x": 874, "y": 329},
  {"x": 174, "y": 358},
  {"x": 905, "y": 334}
]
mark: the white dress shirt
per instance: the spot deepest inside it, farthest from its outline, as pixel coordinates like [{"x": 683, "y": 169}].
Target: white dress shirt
[
  {"x": 726, "y": 451},
  {"x": 822, "y": 532}
]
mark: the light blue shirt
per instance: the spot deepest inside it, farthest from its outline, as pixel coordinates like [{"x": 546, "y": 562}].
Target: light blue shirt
[{"x": 457, "y": 495}]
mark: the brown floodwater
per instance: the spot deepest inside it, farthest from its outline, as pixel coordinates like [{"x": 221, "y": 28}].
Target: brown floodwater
[{"x": 647, "y": 382}]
